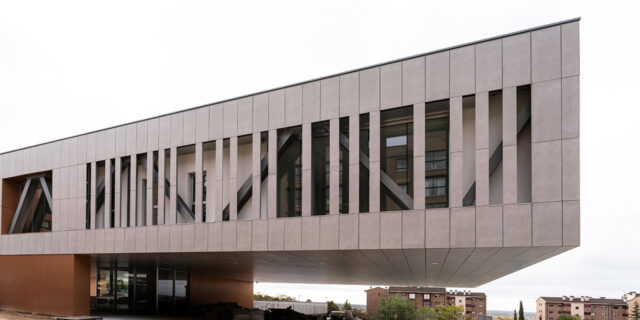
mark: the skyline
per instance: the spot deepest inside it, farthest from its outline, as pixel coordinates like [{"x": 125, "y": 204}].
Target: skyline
[{"x": 53, "y": 80}]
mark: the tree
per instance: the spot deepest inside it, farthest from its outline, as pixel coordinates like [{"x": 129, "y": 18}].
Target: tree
[
  {"x": 395, "y": 309},
  {"x": 568, "y": 317},
  {"x": 425, "y": 313},
  {"x": 635, "y": 314},
  {"x": 450, "y": 312},
  {"x": 346, "y": 305},
  {"x": 308, "y": 300},
  {"x": 515, "y": 316},
  {"x": 279, "y": 297},
  {"x": 521, "y": 312},
  {"x": 332, "y": 306}
]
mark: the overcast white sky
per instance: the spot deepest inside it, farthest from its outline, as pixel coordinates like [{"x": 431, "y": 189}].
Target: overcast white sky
[{"x": 71, "y": 67}]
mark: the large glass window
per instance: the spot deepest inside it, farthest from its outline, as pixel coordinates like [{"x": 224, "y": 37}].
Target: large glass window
[
  {"x": 289, "y": 172},
  {"x": 437, "y": 154},
  {"x": 396, "y": 145},
  {"x": 320, "y": 168},
  {"x": 27, "y": 203},
  {"x": 186, "y": 167}
]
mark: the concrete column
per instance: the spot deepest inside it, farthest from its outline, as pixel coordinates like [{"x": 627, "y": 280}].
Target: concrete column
[
  {"x": 509, "y": 146},
  {"x": 233, "y": 179},
  {"x": 93, "y": 195},
  {"x": 199, "y": 182},
  {"x": 149, "y": 215},
  {"x": 334, "y": 165},
  {"x": 272, "y": 193},
  {"x": 256, "y": 173},
  {"x": 116, "y": 203},
  {"x": 218, "y": 205},
  {"x": 107, "y": 194},
  {"x": 418, "y": 155},
  {"x": 354, "y": 163},
  {"x": 173, "y": 188},
  {"x": 482, "y": 148},
  {"x": 133, "y": 215},
  {"x": 161, "y": 187},
  {"x": 374, "y": 161},
  {"x": 306, "y": 168},
  {"x": 455, "y": 152}
]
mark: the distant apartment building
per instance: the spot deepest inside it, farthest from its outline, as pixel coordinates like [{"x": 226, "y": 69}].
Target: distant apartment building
[
  {"x": 473, "y": 303},
  {"x": 631, "y": 299},
  {"x": 588, "y": 308}
]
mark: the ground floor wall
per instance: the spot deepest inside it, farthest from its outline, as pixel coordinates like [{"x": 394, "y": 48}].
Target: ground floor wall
[
  {"x": 46, "y": 284},
  {"x": 206, "y": 288}
]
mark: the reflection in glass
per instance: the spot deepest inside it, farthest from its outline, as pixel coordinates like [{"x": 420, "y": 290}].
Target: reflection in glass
[
  {"x": 396, "y": 146},
  {"x": 289, "y": 173},
  {"x": 320, "y": 168},
  {"x": 436, "y": 154}
]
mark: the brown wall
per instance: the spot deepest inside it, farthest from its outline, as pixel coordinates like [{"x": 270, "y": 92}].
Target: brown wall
[
  {"x": 374, "y": 295},
  {"x": 46, "y": 284},
  {"x": 10, "y": 198},
  {"x": 205, "y": 288}
]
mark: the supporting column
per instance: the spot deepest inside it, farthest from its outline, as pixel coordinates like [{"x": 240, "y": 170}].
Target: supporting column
[
  {"x": 117, "y": 191},
  {"x": 133, "y": 173},
  {"x": 199, "y": 182},
  {"x": 418, "y": 155},
  {"x": 233, "y": 178},
  {"x": 173, "y": 188},
  {"x": 482, "y": 148},
  {"x": 149, "y": 220},
  {"x": 256, "y": 168},
  {"x": 65, "y": 292},
  {"x": 509, "y": 146},
  {"x": 218, "y": 206},
  {"x": 334, "y": 166},
  {"x": 455, "y": 152},
  {"x": 107, "y": 194},
  {"x": 93, "y": 195},
  {"x": 374, "y": 161},
  {"x": 354, "y": 163},
  {"x": 272, "y": 193},
  {"x": 306, "y": 169},
  {"x": 161, "y": 187}
]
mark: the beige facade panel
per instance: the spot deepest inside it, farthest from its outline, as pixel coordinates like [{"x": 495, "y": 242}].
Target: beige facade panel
[
  {"x": 437, "y": 76},
  {"x": 391, "y": 85},
  {"x": 349, "y": 94},
  {"x": 369, "y": 90},
  {"x": 462, "y": 71},
  {"x": 546, "y": 56}
]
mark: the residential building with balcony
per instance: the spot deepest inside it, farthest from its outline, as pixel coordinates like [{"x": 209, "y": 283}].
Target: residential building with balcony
[{"x": 588, "y": 308}]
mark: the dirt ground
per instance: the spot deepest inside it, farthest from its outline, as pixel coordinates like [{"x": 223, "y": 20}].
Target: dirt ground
[{"x": 10, "y": 315}]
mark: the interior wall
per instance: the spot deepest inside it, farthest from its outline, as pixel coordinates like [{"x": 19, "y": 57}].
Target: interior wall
[
  {"x": 205, "y": 288},
  {"x": 46, "y": 284}
]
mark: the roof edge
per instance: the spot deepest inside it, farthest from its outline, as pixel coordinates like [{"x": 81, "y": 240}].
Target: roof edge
[{"x": 312, "y": 80}]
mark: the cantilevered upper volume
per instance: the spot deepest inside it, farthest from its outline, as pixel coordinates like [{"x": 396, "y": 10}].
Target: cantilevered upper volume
[{"x": 450, "y": 168}]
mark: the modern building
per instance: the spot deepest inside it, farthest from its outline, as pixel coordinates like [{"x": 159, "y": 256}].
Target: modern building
[
  {"x": 473, "y": 304},
  {"x": 453, "y": 167},
  {"x": 588, "y": 308}
]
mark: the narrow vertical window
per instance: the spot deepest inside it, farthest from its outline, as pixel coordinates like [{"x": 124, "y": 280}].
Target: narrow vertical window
[
  {"x": 396, "y": 149},
  {"x": 166, "y": 191},
  {"x": 208, "y": 179},
  {"x": 88, "y": 197},
  {"x": 112, "y": 213},
  {"x": 125, "y": 191},
  {"x": 495, "y": 147},
  {"x": 320, "y": 168},
  {"x": 364, "y": 167},
  {"x": 289, "y": 172},
  {"x": 141, "y": 189},
  {"x": 154, "y": 189},
  {"x": 524, "y": 144},
  {"x": 436, "y": 154},
  {"x": 186, "y": 163},
  {"x": 469, "y": 150},
  {"x": 245, "y": 176},
  {"x": 343, "y": 193},
  {"x": 100, "y": 194}
]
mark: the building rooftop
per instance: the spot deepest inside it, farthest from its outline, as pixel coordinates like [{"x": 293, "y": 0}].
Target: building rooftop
[{"x": 588, "y": 300}]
